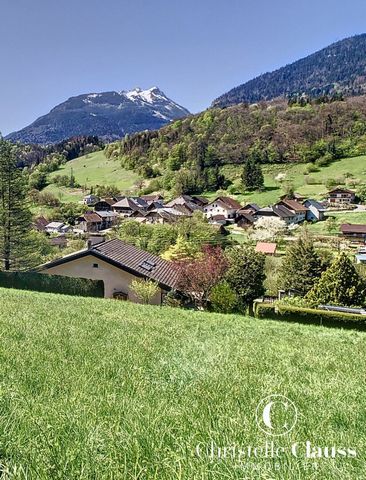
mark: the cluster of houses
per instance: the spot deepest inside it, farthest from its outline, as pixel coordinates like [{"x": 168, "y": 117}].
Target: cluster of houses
[
  {"x": 118, "y": 263},
  {"x": 292, "y": 211},
  {"x": 222, "y": 210}
]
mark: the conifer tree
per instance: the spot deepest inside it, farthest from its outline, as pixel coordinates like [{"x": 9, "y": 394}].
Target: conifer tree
[
  {"x": 340, "y": 284},
  {"x": 302, "y": 266},
  {"x": 252, "y": 176},
  {"x": 15, "y": 216}
]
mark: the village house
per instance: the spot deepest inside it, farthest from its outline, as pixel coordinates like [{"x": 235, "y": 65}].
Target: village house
[
  {"x": 266, "y": 248},
  {"x": 295, "y": 196},
  {"x": 90, "y": 200},
  {"x": 279, "y": 211},
  {"x": 250, "y": 208},
  {"x": 117, "y": 264},
  {"x": 218, "y": 220},
  {"x": 59, "y": 242},
  {"x": 109, "y": 218},
  {"x": 89, "y": 222},
  {"x": 244, "y": 219},
  {"x": 341, "y": 196},
  {"x": 105, "y": 204},
  {"x": 225, "y": 206},
  {"x": 152, "y": 198},
  {"x": 40, "y": 224},
  {"x": 315, "y": 211},
  {"x": 186, "y": 204},
  {"x": 355, "y": 232},
  {"x": 297, "y": 208},
  {"x": 128, "y": 205},
  {"x": 57, "y": 227}
]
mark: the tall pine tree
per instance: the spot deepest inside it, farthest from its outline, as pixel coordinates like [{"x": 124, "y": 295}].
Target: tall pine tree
[
  {"x": 15, "y": 216},
  {"x": 301, "y": 267},
  {"x": 252, "y": 176},
  {"x": 340, "y": 284}
]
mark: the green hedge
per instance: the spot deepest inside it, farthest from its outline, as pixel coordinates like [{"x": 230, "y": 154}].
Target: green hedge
[
  {"x": 264, "y": 310},
  {"x": 307, "y": 315},
  {"x": 38, "y": 282},
  {"x": 313, "y": 315}
]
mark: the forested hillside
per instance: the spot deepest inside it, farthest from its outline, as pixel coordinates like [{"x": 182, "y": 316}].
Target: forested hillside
[
  {"x": 341, "y": 67},
  {"x": 188, "y": 155}
]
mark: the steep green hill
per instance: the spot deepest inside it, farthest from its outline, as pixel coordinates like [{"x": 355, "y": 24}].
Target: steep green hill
[
  {"x": 109, "y": 390},
  {"x": 189, "y": 154},
  {"x": 340, "y": 67},
  {"x": 92, "y": 170}
]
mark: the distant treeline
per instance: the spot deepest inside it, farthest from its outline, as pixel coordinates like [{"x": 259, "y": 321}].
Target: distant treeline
[{"x": 31, "y": 155}]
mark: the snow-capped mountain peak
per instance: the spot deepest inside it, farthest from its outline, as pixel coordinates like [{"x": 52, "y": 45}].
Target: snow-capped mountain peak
[
  {"x": 150, "y": 96},
  {"x": 109, "y": 115}
]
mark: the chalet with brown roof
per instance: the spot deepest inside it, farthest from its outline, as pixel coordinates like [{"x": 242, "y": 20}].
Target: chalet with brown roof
[
  {"x": 104, "y": 204},
  {"x": 40, "y": 224},
  {"x": 226, "y": 206},
  {"x": 341, "y": 196},
  {"x": 117, "y": 264},
  {"x": 186, "y": 203},
  {"x": 297, "y": 208},
  {"x": 295, "y": 196},
  {"x": 152, "y": 198},
  {"x": 279, "y": 211},
  {"x": 127, "y": 206},
  {"x": 244, "y": 219},
  {"x": 355, "y": 232}
]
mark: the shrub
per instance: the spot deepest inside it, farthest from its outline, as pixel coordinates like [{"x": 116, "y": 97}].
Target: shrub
[
  {"x": 38, "y": 282},
  {"x": 223, "y": 298},
  {"x": 144, "y": 290},
  {"x": 264, "y": 310}
]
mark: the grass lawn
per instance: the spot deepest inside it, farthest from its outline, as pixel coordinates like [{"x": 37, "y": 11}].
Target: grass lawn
[
  {"x": 91, "y": 170},
  {"x": 356, "y": 166},
  {"x": 109, "y": 390},
  {"x": 341, "y": 217}
]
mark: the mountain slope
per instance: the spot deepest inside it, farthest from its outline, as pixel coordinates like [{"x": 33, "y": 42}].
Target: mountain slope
[
  {"x": 341, "y": 67},
  {"x": 109, "y": 115},
  {"x": 186, "y": 156}
]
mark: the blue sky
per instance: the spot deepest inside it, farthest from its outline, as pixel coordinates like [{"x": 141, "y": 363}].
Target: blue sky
[{"x": 194, "y": 50}]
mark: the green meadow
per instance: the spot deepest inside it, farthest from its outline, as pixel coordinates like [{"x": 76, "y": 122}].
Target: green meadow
[
  {"x": 344, "y": 171},
  {"x": 91, "y": 170},
  {"x": 100, "y": 389}
]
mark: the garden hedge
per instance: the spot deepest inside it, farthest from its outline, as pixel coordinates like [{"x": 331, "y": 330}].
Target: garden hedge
[
  {"x": 38, "y": 282},
  {"x": 308, "y": 315}
]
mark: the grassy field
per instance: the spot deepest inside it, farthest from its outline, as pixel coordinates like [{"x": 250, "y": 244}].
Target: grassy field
[
  {"x": 353, "y": 168},
  {"x": 109, "y": 390},
  {"x": 91, "y": 170}
]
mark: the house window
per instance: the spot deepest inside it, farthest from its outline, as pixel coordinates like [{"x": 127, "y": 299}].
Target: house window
[{"x": 95, "y": 265}]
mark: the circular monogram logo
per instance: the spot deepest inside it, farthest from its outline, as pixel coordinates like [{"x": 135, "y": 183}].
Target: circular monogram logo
[{"x": 276, "y": 415}]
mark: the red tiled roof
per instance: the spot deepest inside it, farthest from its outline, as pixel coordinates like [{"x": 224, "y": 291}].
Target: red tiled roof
[{"x": 263, "y": 247}]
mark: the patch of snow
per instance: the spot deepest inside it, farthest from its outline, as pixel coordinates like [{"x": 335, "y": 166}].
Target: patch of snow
[{"x": 160, "y": 115}]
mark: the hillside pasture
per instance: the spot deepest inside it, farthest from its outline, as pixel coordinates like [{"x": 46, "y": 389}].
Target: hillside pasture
[
  {"x": 92, "y": 170},
  {"x": 102, "y": 389}
]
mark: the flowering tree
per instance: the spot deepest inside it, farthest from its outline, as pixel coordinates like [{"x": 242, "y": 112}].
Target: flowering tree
[
  {"x": 268, "y": 228},
  {"x": 197, "y": 278}
]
